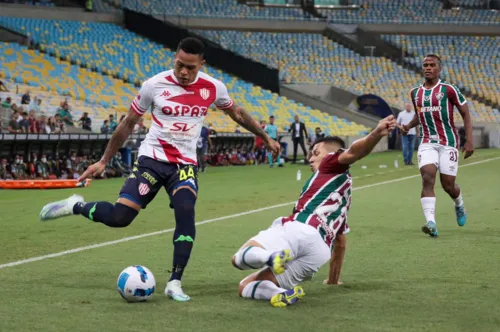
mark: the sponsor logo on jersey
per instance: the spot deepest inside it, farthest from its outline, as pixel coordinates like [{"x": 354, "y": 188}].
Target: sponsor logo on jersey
[
  {"x": 185, "y": 110},
  {"x": 430, "y": 109},
  {"x": 166, "y": 94},
  {"x": 143, "y": 189},
  {"x": 182, "y": 126},
  {"x": 149, "y": 177},
  {"x": 439, "y": 96},
  {"x": 204, "y": 93}
]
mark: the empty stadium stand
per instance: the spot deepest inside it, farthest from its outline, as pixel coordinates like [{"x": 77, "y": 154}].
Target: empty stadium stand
[{"x": 101, "y": 47}]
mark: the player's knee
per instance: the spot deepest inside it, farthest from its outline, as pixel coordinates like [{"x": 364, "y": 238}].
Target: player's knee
[
  {"x": 448, "y": 187},
  {"x": 242, "y": 286},
  {"x": 184, "y": 199},
  {"x": 428, "y": 179},
  {"x": 124, "y": 215}
]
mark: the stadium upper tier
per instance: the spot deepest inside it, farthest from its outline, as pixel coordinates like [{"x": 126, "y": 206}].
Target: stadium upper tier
[
  {"x": 208, "y": 9},
  {"x": 103, "y": 46},
  {"x": 372, "y": 11},
  {"x": 312, "y": 58},
  {"x": 473, "y": 63}
]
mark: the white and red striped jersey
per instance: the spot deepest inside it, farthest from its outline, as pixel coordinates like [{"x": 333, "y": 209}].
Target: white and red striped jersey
[{"x": 177, "y": 114}]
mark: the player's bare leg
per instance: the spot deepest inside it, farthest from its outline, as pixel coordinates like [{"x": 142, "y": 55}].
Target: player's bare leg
[
  {"x": 453, "y": 190},
  {"x": 262, "y": 285},
  {"x": 428, "y": 198}
]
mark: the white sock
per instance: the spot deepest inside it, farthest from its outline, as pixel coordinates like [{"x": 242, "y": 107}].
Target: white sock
[
  {"x": 429, "y": 206},
  {"x": 251, "y": 258},
  {"x": 459, "y": 201},
  {"x": 261, "y": 290}
]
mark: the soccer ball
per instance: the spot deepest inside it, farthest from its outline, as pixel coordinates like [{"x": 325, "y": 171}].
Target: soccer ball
[{"x": 136, "y": 283}]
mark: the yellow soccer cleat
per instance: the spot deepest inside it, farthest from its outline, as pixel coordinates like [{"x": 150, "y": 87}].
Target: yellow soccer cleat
[
  {"x": 288, "y": 297},
  {"x": 278, "y": 260}
]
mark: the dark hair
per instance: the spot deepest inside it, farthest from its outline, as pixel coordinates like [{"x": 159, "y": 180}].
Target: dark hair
[
  {"x": 271, "y": 117},
  {"x": 434, "y": 56},
  {"x": 192, "y": 45},
  {"x": 330, "y": 139}
]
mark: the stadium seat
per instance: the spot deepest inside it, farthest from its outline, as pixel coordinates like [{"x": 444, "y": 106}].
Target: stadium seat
[{"x": 100, "y": 46}]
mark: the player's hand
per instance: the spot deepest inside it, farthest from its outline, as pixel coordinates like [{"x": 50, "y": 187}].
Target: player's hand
[
  {"x": 468, "y": 149},
  {"x": 386, "y": 125},
  {"x": 328, "y": 282},
  {"x": 93, "y": 170},
  {"x": 274, "y": 147},
  {"x": 403, "y": 129}
]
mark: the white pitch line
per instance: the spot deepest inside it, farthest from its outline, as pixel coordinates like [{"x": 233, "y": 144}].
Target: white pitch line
[{"x": 140, "y": 236}]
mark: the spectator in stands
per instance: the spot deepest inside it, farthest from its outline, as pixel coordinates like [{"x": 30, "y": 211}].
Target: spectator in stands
[
  {"x": 119, "y": 167},
  {"x": 3, "y": 87},
  {"x": 59, "y": 126},
  {"x": 140, "y": 128},
  {"x": 237, "y": 130},
  {"x": 34, "y": 127},
  {"x": 14, "y": 126},
  {"x": 42, "y": 168},
  {"x": 18, "y": 168},
  {"x": 26, "y": 98},
  {"x": 25, "y": 123},
  {"x": 43, "y": 126},
  {"x": 112, "y": 123},
  {"x": 221, "y": 158},
  {"x": 84, "y": 163},
  {"x": 35, "y": 105},
  {"x": 105, "y": 128},
  {"x": 251, "y": 157},
  {"x": 5, "y": 170},
  {"x": 298, "y": 130},
  {"x": 204, "y": 142},
  {"x": 85, "y": 121},
  {"x": 408, "y": 141},
  {"x": 65, "y": 113},
  {"x": 7, "y": 103},
  {"x": 72, "y": 166}
]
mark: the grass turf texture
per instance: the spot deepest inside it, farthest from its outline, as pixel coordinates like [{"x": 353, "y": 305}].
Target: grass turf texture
[{"x": 396, "y": 278}]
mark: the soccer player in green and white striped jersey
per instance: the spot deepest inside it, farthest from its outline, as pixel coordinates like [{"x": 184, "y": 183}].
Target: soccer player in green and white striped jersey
[
  {"x": 439, "y": 142},
  {"x": 295, "y": 247}
]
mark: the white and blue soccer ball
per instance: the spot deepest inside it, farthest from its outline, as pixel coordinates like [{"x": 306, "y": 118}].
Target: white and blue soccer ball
[{"x": 136, "y": 283}]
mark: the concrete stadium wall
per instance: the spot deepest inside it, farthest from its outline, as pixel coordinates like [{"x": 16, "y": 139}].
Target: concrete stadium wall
[
  {"x": 425, "y": 29},
  {"x": 59, "y": 13}
]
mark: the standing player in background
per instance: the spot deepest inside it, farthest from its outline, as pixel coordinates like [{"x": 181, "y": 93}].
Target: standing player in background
[
  {"x": 294, "y": 248},
  {"x": 179, "y": 101},
  {"x": 272, "y": 131},
  {"x": 439, "y": 141}
]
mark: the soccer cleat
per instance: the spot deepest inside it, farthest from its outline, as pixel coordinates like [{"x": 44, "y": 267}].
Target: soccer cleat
[
  {"x": 278, "y": 260},
  {"x": 175, "y": 292},
  {"x": 60, "y": 209},
  {"x": 430, "y": 228},
  {"x": 288, "y": 297},
  {"x": 461, "y": 215}
]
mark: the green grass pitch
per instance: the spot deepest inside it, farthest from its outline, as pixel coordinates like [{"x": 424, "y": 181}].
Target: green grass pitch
[{"x": 396, "y": 278}]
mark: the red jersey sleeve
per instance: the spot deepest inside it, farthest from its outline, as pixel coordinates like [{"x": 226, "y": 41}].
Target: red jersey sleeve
[
  {"x": 330, "y": 164},
  {"x": 455, "y": 96}
]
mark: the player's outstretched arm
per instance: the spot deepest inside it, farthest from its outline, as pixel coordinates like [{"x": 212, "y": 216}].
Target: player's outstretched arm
[
  {"x": 337, "y": 260},
  {"x": 120, "y": 135},
  {"x": 244, "y": 119},
  {"x": 469, "y": 143},
  {"x": 364, "y": 146}
]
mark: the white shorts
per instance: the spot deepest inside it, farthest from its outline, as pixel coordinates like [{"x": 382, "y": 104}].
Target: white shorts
[
  {"x": 308, "y": 250},
  {"x": 444, "y": 157}
]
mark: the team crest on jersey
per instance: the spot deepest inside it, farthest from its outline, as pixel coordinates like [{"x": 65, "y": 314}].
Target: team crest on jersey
[
  {"x": 439, "y": 96},
  {"x": 143, "y": 189},
  {"x": 204, "y": 93}
]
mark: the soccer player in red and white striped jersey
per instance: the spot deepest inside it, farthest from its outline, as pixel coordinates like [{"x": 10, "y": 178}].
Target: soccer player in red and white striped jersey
[{"x": 434, "y": 101}]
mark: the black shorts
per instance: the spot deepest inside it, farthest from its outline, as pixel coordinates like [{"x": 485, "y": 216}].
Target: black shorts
[{"x": 149, "y": 175}]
